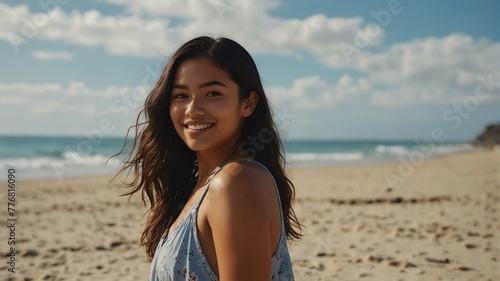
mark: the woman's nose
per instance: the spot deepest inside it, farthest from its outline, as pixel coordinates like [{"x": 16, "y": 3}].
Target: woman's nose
[{"x": 194, "y": 107}]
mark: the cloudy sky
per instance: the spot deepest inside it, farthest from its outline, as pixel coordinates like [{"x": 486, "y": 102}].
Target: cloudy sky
[{"x": 333, "y": 69}]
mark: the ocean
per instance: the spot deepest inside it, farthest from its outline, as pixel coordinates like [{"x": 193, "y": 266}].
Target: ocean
[{"x": 36, "y": 157}]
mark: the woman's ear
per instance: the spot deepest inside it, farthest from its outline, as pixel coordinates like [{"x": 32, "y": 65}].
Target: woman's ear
[{"x": 249, "y": 104}]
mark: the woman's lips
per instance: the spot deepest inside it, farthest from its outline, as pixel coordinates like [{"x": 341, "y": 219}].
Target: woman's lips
[{"x": 199, "y": 126}]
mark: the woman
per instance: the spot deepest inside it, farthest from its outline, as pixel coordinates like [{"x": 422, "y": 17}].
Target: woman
[{"x": 209, "y": 160}]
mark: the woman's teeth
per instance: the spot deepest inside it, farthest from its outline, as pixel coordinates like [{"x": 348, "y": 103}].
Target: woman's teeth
[{"x": 199, "y": 127}]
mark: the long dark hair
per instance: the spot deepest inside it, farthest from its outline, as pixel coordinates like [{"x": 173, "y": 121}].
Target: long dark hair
[{"x": 165, "y": 168}]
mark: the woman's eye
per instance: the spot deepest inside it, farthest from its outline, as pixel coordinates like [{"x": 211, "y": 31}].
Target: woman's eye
[
  {"x": 179, "y": 96},
  {"x": 213, "y": 94}
]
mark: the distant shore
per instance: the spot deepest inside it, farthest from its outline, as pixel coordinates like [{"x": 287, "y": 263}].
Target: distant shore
[{"x": 438, "y": 220}]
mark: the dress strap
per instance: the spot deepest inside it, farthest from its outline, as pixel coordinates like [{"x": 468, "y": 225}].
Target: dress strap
[
  {"x": 248, "y": 160},
  {"x": 272, "y": 176},
  {"x": 209, "y": 182}
]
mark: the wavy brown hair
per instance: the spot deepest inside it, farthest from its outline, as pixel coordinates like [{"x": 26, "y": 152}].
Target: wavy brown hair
[{"x": 165, "y": 169}]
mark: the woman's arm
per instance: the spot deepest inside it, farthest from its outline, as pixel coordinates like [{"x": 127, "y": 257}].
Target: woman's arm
[{"x": 240, "y": 216}]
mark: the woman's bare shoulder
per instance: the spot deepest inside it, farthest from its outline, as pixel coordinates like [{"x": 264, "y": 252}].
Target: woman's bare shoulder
[
  {"x": 242, "y": 176},
  {"x": 240, "y": 215},
  {"x": 242, "y": 181}
]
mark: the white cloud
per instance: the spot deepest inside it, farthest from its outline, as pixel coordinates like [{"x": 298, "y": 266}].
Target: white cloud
[
  {"x": 28, "y": 89},
  {"x": 152, "y": 29},
  {"x": 422, "y": 71},
  {"x": 314, "y": 93},
  {"x": 12, "y": 100},
  {"x": 91, "y": 109},
  {"x": 425, "y": 71},
  {"x": 45, "y": 106},
  {"x": 74, "y": 97},
  {"x": 455, "y": 60},
  {"x": 194, "y": 9},
  {"x": 57, "y": 55}
]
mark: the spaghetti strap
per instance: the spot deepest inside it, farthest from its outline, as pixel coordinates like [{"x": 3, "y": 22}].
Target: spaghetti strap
[
  {"x": 272, "y": 176},
  {"x": 265, "y": 168},
  {"x": 196, "y": 205}
]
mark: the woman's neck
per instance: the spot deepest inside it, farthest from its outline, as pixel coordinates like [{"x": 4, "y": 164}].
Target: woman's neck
[{"x": 209, "y": 161}]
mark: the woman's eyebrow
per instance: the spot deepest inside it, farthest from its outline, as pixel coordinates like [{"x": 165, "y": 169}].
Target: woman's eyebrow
[
  {"x": 202, "y": 85},
  {"x": 211, "y": 83}
]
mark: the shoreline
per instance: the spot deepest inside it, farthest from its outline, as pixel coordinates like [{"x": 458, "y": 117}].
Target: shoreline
[
  {"x": 440, "y": 222},
  {"x": 57, "y": 157},
  {"x": 289, "y": 166}
]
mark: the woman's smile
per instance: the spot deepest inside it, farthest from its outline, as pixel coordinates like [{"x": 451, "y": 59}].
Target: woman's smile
[{"x": 198, "y": 128}]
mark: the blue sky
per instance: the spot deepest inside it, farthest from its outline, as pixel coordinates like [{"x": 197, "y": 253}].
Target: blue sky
[{"x": 333, "y": 69}]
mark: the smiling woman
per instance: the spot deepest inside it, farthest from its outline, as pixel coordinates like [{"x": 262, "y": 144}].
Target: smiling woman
[{"x": 216, "y": 211}]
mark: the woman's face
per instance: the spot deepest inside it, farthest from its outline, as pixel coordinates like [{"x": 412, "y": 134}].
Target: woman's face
[{"x": 205, "y": 106}]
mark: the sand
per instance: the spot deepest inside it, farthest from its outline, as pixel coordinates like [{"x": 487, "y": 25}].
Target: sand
[{"x": 439, "y": 222}]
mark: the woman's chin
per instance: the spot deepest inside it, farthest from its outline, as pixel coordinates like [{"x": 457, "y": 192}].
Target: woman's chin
[{"x": 197, "y": 145}]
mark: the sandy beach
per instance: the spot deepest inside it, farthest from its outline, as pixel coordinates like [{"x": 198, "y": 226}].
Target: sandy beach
[{"x": 438, "y": 221}]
